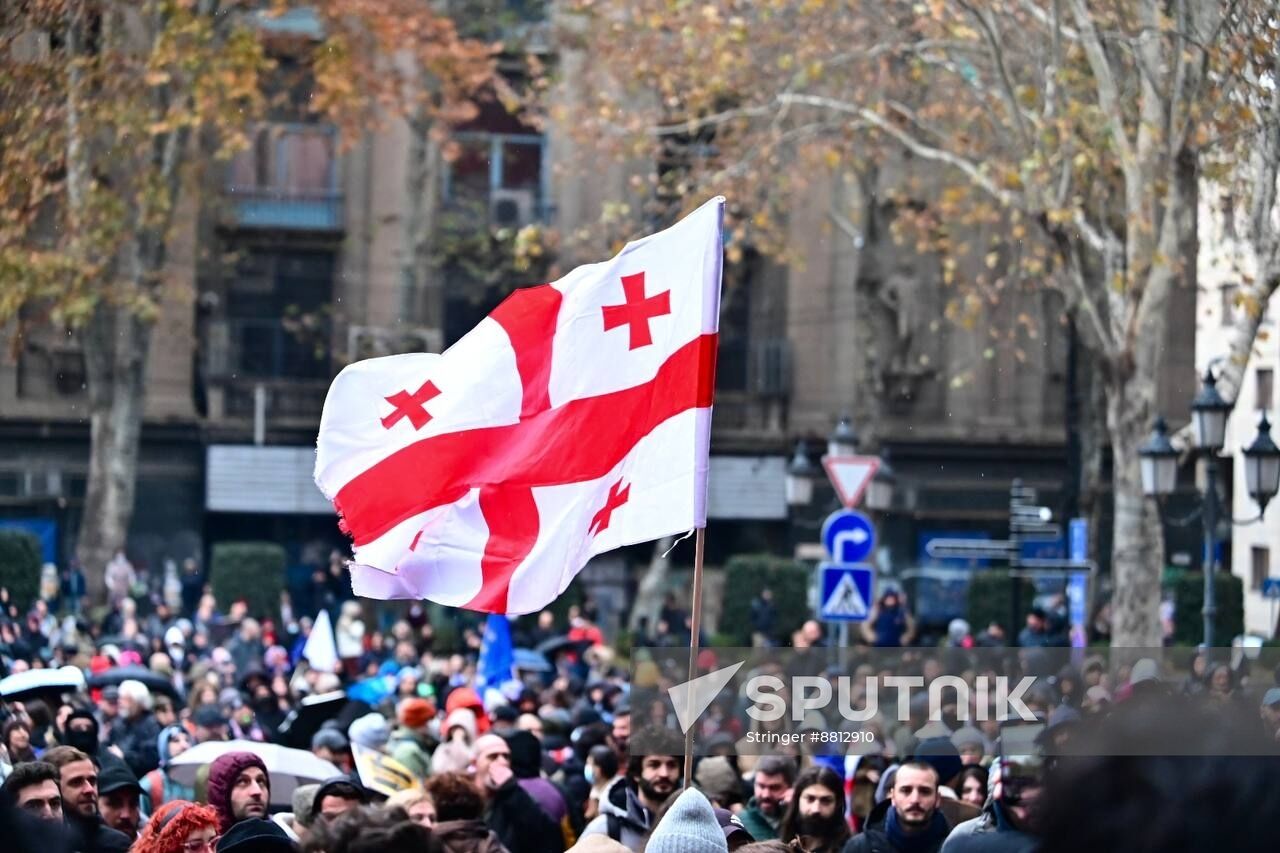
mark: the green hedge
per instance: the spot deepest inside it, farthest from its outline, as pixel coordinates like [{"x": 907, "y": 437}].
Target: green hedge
[
  {"x": 744, "y": 576},
  {"x": 990, "y": 591},
  {"x": 253, "y": 571},
  {"x": 1188, "y": 598},
  {"x": 20, "y": 566}
]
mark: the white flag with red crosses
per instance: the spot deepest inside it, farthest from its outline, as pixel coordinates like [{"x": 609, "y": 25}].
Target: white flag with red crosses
[{"x": 573, "y": 420}]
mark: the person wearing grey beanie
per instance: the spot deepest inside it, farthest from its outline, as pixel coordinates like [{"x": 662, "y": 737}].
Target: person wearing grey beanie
[
  {"x": 372, "y": 731},
  {"x": 689, "y": 826}
]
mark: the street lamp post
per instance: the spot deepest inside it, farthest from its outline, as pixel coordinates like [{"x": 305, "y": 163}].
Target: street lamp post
[{"x": 1159, "y": 463}]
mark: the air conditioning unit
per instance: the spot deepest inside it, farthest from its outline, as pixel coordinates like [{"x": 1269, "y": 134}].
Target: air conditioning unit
[
  {"x": 771, "y": 368},
  {"x": 511, "y": 208},
  {"x": 376, "y": 341}
]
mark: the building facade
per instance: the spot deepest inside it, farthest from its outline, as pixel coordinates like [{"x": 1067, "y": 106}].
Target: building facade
[{"x": 1224, "y": 263}]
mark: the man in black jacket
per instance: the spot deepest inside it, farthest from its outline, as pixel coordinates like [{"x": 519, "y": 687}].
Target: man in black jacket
[
  {"x": 78, "y": 784},
  {"x": 136, "y": 734},
  {"x": 910, "y": 821},
  {"x": 514, "y": 816}
]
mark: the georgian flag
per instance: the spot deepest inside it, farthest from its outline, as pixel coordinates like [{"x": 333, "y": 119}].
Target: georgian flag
[{"x": 573, "y": 420}]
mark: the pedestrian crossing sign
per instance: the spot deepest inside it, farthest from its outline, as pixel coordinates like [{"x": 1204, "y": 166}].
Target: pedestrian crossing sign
[{"x": 846, "y": 592}]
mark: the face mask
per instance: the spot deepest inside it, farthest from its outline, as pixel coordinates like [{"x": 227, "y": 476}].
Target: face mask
[{"x": 589, "y": 773}]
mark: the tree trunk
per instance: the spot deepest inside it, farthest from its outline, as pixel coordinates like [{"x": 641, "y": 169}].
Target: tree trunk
[
  {"x": 116, "y": 343},
  {"x": 419, "y": 302},
  {"x": 652, "y": 586},
  {"x": 1137, "y": 556}
]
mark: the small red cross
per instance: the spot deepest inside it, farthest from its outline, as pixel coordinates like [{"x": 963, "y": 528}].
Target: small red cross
[
  {"x": 637, "y": 311},
  {"x": 412, "y": 406},
  {"x": 617, "y": 497}
]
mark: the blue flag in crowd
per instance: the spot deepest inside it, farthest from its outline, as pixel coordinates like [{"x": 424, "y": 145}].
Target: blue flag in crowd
[{"x": 497, "y": 657}]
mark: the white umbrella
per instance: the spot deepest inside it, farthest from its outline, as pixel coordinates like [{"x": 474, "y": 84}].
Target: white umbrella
[
  {"x": 287, "y": 768},
  {"x": 68, "y": 678}
]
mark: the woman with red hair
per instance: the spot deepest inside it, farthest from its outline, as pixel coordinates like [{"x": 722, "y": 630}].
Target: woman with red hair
[{"x": 179, "y": 827}]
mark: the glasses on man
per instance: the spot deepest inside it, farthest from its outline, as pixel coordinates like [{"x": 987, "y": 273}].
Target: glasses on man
[{"x": 200, "y": 845}]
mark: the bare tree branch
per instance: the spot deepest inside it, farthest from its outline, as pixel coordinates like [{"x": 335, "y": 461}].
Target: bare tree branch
[
  {"x": 1108, "y": 92},
  {"x": 988, "y": 27}
]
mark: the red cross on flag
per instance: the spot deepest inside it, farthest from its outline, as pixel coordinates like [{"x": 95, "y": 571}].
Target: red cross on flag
[{"x": 573, "y": 420}]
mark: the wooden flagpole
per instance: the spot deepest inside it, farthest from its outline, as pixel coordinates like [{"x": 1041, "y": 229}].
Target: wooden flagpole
[{"x": 695, "y": 627}]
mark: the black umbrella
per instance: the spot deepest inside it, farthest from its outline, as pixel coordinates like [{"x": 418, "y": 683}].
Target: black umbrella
[
  {"x": 560, "y": 645},
  {"x": 154, "y": 681},
  {"x": 304, "y": 721}
]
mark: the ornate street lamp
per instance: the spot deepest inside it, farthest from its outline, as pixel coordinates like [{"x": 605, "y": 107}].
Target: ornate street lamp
[
  {"x": 1262, "y": 466},
  {"x": 1159, "y": 462},
  {"x": 843, "y": 441},
  {"x": 1209, "y": 415},
  {"x": 801, "y": 473}
]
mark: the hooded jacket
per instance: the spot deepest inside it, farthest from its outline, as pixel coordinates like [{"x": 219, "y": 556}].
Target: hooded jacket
[
  {"x": 222, "y": 778},
  {"x": 622, "y": 816},
  {"x": 989, "y": 832},
  {"x": 158, "y": 787}
]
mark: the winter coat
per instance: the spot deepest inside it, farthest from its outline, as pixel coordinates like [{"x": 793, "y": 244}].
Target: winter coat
[
  {"x": 520, "y": 823},
  {"x": 874, "y": 838},
  {"x": 989, "y": 832},
  {"x": 412, "y": 750},
  {"x": 622, "y": 816},
  {"x": 92, "y": 835},
  {"x": 465, "y": 836},
  {"x": 760, "y": 826},
  {"x": 137, "y": 738}
]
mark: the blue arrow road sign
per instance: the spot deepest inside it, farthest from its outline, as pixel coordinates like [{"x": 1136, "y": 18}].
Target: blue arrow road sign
[
  {"x": 849, "y": 536},
  {"x": 846, "y": 592}
]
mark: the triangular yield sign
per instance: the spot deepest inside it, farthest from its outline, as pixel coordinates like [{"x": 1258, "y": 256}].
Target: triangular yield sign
[
  {"x": 691, "y": 698},
  {"x": 850, "y": 475}
]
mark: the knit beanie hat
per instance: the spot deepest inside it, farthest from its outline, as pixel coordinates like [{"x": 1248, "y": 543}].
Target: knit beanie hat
[
  {"x": 415, "y": 712},
  {"x": 717, "y": 779},
  {"x": 371, "y": 731},
  {"x": 690, "y": 826}
]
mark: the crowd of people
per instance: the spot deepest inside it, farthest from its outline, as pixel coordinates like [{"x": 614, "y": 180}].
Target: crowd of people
[{"x": 560, "y": 754}]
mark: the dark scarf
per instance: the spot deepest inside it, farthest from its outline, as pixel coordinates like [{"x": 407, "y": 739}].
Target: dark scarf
[{"x": 916, "y": 842}]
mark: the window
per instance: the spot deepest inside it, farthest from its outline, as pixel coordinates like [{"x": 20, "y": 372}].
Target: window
[
  {"x": 1228, "y": 304},
  {"x": 1264, "y": 380},
  {"x": 1261, "y": 567},
  {"x": 503, "y": 171}
]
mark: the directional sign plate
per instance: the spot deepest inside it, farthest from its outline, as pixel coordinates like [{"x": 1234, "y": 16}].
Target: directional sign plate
[
  {"x": 846, "y": 592},
  {"x": 849, "y": 536},
  {"x": 850, "y": 475}
]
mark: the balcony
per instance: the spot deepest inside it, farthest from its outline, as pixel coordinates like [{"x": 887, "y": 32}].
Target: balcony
[
  {"x": 287, "y": 179},
  {"x": 252, "y": 349}
]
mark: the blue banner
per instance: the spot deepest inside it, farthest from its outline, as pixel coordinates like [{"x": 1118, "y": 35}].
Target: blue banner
[{"x": 497, "y": 654}]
